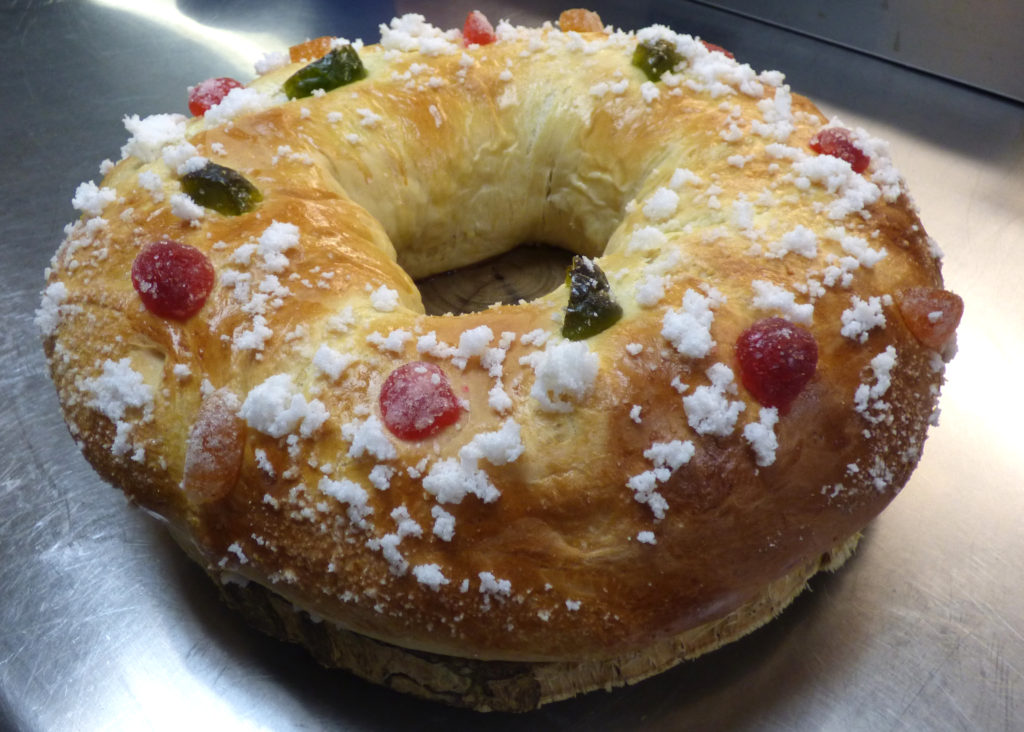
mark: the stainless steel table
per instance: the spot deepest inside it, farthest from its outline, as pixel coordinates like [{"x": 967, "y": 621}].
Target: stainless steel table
[{"x": 105, "y": 625}]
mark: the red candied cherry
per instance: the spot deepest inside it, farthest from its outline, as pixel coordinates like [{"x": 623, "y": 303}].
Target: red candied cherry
[
  {"x": 172, "y": 279},
  {"x": 417, "y": 401},
  {"x": 839, "y": 143},
  {"x": 209, "y": 93},
  {"x": 478, "y": 29},
  {"x": 932, "y": 315},
  {"x": 777, "y": 359},
  {"x": 716, "y": 47}
]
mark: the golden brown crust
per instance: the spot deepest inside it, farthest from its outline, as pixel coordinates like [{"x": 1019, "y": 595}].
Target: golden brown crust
[
  {"x": 535, "y": 529},
  {"x": 511, "y": 686}
]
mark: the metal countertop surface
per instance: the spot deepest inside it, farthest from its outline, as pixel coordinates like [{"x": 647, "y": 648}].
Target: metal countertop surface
[{"x": 104, "y": 624}]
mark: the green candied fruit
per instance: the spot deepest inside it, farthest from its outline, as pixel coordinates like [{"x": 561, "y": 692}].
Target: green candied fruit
[
  {"x": 655, "y": 58},
  {"x": 341, "y": 66},
  {"x": 591, "y": 308},
  {"x": 222, "y": 189}
]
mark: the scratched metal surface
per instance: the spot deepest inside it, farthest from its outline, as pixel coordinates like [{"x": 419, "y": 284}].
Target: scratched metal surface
[{"x": 105, "y": 625}]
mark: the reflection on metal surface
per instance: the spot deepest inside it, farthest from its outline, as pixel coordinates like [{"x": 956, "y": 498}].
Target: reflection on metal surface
[
  {"x": 976, "y": 43},
  {"x": 238, "y": 47}
]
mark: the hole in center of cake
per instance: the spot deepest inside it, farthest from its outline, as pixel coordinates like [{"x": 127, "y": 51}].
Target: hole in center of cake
[{"x": 525, "y": 273}]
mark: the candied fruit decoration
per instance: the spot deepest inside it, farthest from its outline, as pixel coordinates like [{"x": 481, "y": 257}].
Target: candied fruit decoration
[
  {"x": 207, "y": 94},
  {"x": 715, "y": 47},
  {"x": 477, "y": 29},
  {"x": 314, "y": 48},
  {"x": 931, "y": 314},
  {"x": 417, "y": 401},
  {"x": 777, "y": 359},
  {"x": 580, "y": 20},
  {"x": 655, "y": 58},
  {"x": 216, "y": 442},
  {"x": 839, "y": 143},
  {"x": 222, "y": 189},
  {"x": 339, "y": 67},
  {"x": 173, "y": 279},
  {"x": 591, "y": 308}
]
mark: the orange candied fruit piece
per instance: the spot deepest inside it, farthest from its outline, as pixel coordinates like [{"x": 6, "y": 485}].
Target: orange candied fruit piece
[
  {"x": 310, "y": 50},
  {"x": 581, "y": 21},
  {"x": 931, "y": 314}
]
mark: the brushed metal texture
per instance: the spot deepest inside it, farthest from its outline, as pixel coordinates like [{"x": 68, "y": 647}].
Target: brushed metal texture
[{"x": 105, "y": 625}]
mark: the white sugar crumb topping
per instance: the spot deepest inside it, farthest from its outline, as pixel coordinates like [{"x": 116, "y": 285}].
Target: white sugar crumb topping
[
  {"x": 277, "y": 408},
  {"x": 380, "y": 477},
  {"x": 708, "y": 410},
  {"x": 411, "y": 32},
  {"x": 862, "y": 316},
  {"x": 394, "y": 341},
  {"x": 573, "y": 605},
  {"x": 799, "y": 240},
  {"x": 150, "y": 134},
  {"x": 367, "y": 437},
  {"x": 384, "y": 299},
  {"x": 368, "y": 118},
  {"x": 239, "y": 101},
  {"x": 472, "y": 342},
  {"x": 645, "y": 239},
  {"x": 91, "y": 199},
  {"x": 451, "y": 480},
  {"x": 177, "y": 154},
  {"x": 868, "y": 396},
  {"x": 498, "y": 399},
  {"x": 499, "y": 447},
  {"x": 852, "y": 191},
  {"x": 491, "y": 585},
  {"x": 671, "y": 455},
  {"x": 341, "y": 321},
  {"x": 650, "y": 290},
  {"x": 150, "y": 181},
  {"x": 444, "y": 523},
  {"x": 48, "y": 315},
  {"x": 682, "y": 177},
  {"x": 661, "y": 205},
  {"x": 263, "y": 462},
  {"x": 330, "y": 362},
  {"x": 563, "y": 372},
  {"x": 271, "y": 61},
  {"x": 856, "y": 247},
  {"x": 184, "y": 207},
  {"x": 761, "y": 436},
  {"x": 350, "y": 493},
  {"x": 117, "y": 389},
  {"x": 275, "y": 240},
  {"x": 634, "y": 413},
  {"x": 429, "y": 575},
  {"x": 772, "y": 297},
  {"x": 536, "y": 337},
  {"x": 646, "y": 537},
  {"x": 193, "y": 164},
  {"x": 254, "y": 338},
  {"x": 689, "y": 329},
  {"x": 666, "y": 457},
  {"x": 649, "y": 91}
]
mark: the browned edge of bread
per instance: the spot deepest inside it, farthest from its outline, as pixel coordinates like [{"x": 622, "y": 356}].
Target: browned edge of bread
[{"x": 510, "y": 686}]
